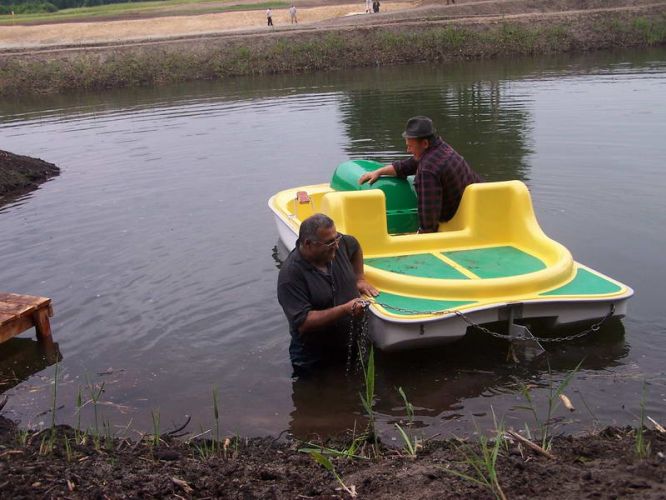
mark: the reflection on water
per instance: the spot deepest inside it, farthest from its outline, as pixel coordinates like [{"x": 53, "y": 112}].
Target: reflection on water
[
  {"x": 155, "y": 241},
  {"x": 439, "y": 382},
  {"x": 21, "y": 358}
]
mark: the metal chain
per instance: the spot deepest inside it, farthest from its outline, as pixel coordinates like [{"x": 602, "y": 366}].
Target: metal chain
[
  {"x": 594, "y": 328},
  {"x": 358, "y": 339}
]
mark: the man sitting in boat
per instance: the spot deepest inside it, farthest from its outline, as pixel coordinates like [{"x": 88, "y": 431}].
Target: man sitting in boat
[
  {"x": 441, "y": 174},
  {"x": 319, "y": 288}
]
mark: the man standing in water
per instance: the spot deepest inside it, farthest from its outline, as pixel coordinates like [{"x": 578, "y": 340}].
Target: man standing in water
[
  {"x": 441, "y": 174},
  {"x": 319, "y": 289}
]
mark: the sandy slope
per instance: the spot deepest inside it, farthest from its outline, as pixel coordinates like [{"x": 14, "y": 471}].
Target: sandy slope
[{"x": 161, "y": 27}]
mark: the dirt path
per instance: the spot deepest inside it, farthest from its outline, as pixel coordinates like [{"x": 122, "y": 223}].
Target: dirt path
[
  {"x": 12, "y": 37},
  {"x": 312, "y": 15}
]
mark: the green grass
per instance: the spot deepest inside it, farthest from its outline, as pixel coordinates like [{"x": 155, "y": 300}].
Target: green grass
[
  {"x": 134, "y": 9},
  {"x": 368, "y": 398},
  {"x": 481, "y": 462}
]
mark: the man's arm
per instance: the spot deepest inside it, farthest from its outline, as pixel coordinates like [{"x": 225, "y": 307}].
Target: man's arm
[
  {"x": 294, "y": 298},
  {"x": 429, "y": 201},
  {"x": 319, "y": 319},
  {"x": 364, "y": 288}
]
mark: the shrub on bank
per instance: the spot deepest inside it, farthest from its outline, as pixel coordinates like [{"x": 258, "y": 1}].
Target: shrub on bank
[{"x": 28, "y": 8}]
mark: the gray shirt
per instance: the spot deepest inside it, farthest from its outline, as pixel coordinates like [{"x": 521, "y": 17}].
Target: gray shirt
[{"x": 303, "y": 288}]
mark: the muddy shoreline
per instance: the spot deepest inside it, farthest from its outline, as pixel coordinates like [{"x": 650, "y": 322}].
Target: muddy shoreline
[
  {"x": 21, "y": 174},
  {"x": 69, "y": 464}
]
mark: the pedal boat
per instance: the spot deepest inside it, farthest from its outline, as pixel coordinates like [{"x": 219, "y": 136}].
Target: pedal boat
[{"x": 491, "y": 262}]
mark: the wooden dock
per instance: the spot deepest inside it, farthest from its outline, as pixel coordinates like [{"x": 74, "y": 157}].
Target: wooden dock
[{"x": 19, "y": 313}]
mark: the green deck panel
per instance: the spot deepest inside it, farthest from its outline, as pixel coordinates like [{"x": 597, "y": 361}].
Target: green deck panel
[
  {"x": 586, "y": 283},
  {"x": 407, "y": 306},
  {"x": 423, "y": 265},
  {"x": 496, "y": 262}
]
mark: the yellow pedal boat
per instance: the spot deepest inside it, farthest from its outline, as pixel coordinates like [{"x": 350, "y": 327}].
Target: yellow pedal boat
[{"x": 491, "y": 262}]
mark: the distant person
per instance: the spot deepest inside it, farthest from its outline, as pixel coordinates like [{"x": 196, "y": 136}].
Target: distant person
[
  {"x": 292, "y": 14},
  {"x": 319, "y": 288},
  {"x": 269, "y": 17},
  {"x": 441, "y": 174},
  {"x": 375, "y": 6},
  {"x": 368, "y": 6}
]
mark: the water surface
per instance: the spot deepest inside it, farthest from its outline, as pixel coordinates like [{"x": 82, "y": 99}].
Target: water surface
[{"x": 156, "y": 243}]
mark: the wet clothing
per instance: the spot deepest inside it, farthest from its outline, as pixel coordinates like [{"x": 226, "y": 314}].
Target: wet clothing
[
  {"x": 441, "y": 176},
  {"x": 303, "y": 288}
]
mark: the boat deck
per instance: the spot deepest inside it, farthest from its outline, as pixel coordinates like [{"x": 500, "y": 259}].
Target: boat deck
[{"x": 479, "y": 264}]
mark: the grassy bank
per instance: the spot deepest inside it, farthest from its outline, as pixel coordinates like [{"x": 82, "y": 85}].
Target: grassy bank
[{"x": 208, "y": 58}]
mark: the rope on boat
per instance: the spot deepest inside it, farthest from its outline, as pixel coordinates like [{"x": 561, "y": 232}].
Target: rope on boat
[{"x": 592, "y": 329}]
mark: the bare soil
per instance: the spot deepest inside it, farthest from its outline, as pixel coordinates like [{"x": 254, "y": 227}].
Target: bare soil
[
  {"x": 320, "y": 15},
  {"x": 20, "y": 174},
  {"x": 603, "y": 465}
]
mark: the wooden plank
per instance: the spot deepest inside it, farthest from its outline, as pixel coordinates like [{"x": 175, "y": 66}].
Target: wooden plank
[
  {"x": 15, "y": 327},
  {"x": 16, "y": 309},
  {"x": 5, "y": 318},
  {"x": 21, "y": 312},
  {"x": 16, "y": 298}
]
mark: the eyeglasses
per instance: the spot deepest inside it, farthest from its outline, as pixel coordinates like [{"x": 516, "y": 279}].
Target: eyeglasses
[{"x": 331, "y": 243}]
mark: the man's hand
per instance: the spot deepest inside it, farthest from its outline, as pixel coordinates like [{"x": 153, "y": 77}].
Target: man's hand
[
  {"x": 355, "y": 307},
  {"x": 365, "y": 288},
  {"x": 369, "y": 177}
]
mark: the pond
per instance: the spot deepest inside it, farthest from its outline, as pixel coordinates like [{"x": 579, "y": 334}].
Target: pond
[{"x": 157, "y": 246}]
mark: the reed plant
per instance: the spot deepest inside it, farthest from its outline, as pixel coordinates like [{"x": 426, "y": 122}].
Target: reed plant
[
  {"x": 95, "y": 392},
  {"x": 325, "y": 462},
  {"x": 216, "y": 416},
  {"x": 48, "y": 442},
  {"x": 79, "y": 404},
  {"x": 22, "y": 436},
  {"x": 482, "y": 460},
  {"x": 350, "y": 452},
  {"x": 642, "y": 447},
  {"x": 69, "y": 455},
  {"x": 204, "y": 447},
  {"x": 156, "y": 436},
  {"x": 411, "y": 443},
  {"x": 54, "y": 396},
  {"x": 368, "y": 396},
  {"x": 545, "y": 424}
]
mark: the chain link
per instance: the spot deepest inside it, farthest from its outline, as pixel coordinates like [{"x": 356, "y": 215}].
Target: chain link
[
  {"x": 358, "y": 340},
  {"x": 594, "y": 328}
]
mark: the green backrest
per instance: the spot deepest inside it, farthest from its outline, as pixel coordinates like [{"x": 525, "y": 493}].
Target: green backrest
[{"x": 401, "y": 211}]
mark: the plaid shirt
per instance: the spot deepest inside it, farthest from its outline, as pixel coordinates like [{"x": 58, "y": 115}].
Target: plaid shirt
[{"x": 441, "y": 178}]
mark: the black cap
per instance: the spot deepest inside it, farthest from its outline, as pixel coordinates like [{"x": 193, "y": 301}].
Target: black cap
[{"x": 418, "y": 127}]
